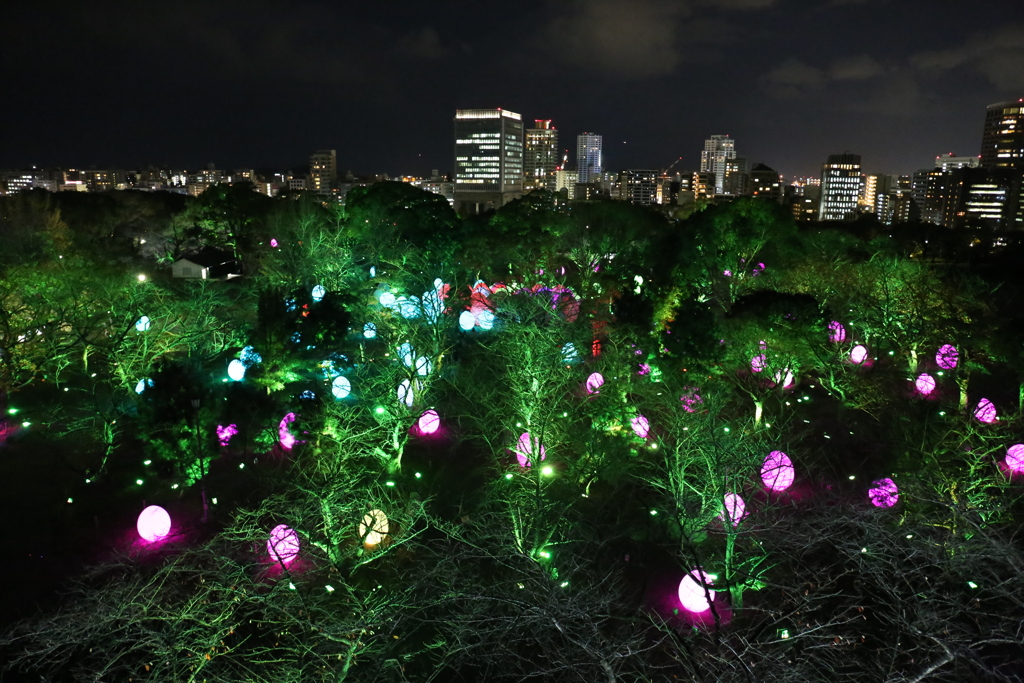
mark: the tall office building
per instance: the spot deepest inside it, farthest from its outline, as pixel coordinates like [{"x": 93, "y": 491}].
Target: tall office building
[
  {"x": 840, "y": 187},
  {"x": 718, "y": 150},
  {"x": 323, "y": 170},
  {"x": 540, "y": 156},
  {"x": 765, "y": 182},
  {"x": 1002, "y": 142},
  {"x": 488, "y": 159},
  {"x": 588, "y": 158}
]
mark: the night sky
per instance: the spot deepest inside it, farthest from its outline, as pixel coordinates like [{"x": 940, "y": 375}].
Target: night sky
[{"x": 263, "y": 84}]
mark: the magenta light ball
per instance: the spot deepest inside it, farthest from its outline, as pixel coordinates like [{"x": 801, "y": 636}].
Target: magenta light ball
[
  {"x": 947, "y": 357},
  {"x": 641, "y": 426},
  {"x": 884, "y": 493},
  {"x": 733, "y": 509},
  {"x": 429, "y": 422},
  {"x": 154, "y": 524},
  {"x": 1015, "y": 458},
  {"x": 836, "y": 332},
  {"x": 693, "y": 595},
  {"x": 985, "y": 412},
  {"x": 859, "y": 354},
  {"x": 283, "y": 544},
  {"x": 757, "y": 362},
  {"x": 785, "y": 378},
  {"x": 524, "y": 449},
  {"x": 594, "y": 382},
  {"x": 925, "y": 384},
  {"x": 777, "y": 472},
  {"x": 287, "y": 439},
  {"x": 690, "y": 399}
]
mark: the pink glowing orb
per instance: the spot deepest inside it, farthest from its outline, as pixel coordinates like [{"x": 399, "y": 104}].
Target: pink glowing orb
[
  {"x": 288, "y": 440},
  {"x": 429, "y": 422},
  {"x": 641, "y": 426},
  {"x": 925, "y": 384},
  {"x": 777, "y": 472},
  {"x": 594, "y": 382},
  {"x": 884, "y": 493},
  {"x": 733, "y": 509},
  {"x": 273, "y": 242},
  {"x": 836, "y": 332},
  {"x": 225, "y": 432},
  {"x": 947, "y": 357},
  {"x": 695, "y": 594},
  {"x": 524, "y": 449},
  {"x": 643, "y": 369},
  {"x": 859, "y": 354},
  {"x": 690, "y": 399},
  {"x": 283, "y": 544},
  {"x": 985, "y": 412},
  {"x": 757, "y": 363},
  {"x": 785, "y": 378},
  {"x": 154, "y": 524},
  {"x": 1015, "y": 458}
]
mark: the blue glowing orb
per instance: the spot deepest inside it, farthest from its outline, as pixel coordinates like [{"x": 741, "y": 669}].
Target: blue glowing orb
[
  {"x": 236, "y": 370},
  {"x": 318, "y": 293},
  {"x": 341, "y": 387},
  {"x": 142, "y": 324}
]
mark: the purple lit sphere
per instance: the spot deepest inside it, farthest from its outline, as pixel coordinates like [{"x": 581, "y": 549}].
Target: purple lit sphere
[
  {"x": 288, "y": 441},
  {"x": 225, "y": 432},
  {"x": 154, "y": 524},
  {"x": 594, "y": 382},
  {"x": 859, "y": 354},
  {"x": 429, "y": 421},
  {"x": 884, "y": 493},
  {"x": 925, "y": 384},
  {"x": 283, "y": 544},
  {"x": 1015, "y": 458},
  {"x": 641, "y": 426},
  {"x": 733, "y": 508},
  {"x": 785, "y": 378},
  {"x": 273, "y": 242},
  {"x": 690, "y": 399},
  {"x": 757, "y": 362},
  {"x": 836, "y": 332},
  {"x": 985, "y": 412},
  {"x": 524, "y": 449},
  {"x": 777, "y": 472},
  {"x": 693, "y": 595},
  {"x": 947, "y": 357}
]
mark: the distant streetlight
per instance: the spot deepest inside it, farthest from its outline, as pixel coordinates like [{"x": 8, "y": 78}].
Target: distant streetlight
[{"x": 142, "y": 277}]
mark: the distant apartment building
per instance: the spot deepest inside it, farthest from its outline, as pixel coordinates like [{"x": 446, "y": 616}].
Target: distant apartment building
[
  {"x": 566, "y": 180},
  {"x": 589, "y": 161},
  {"x": 735, "y": 182},
  {"x": 323, "y": 171},
  {"x": 639, "y": 186},
  {"x": 488, "y": 159},
  {"x": 718, "y": 150},
  {"x": 1002, "y": 140},
  {"x": 840, "y": 187},
  {"x": 540, "y": 156},
  {"x": 985, "y": 197},
  {"x": 765, "y": 182}
]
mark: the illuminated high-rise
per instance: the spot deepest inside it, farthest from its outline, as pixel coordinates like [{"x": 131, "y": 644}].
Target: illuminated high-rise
[
  {"x": 323, "y": 170},
  {"x": 588, "y": 157},
  {"x": 540, "y": 156},
  {"x": 840, "y": 187},
  {"x": 488, "y": 159},
  {"x": 718, "y": 150},
  {"x": 1002, "y": 141}
]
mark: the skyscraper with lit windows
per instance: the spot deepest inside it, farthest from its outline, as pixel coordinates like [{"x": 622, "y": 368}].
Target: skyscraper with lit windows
[
  {"x": 540, "y": 156},
  {"x": 840, "y": 187},
  {"x": 488, "y": 159},
  {"x": 1002, "y": 141},
  {"x": 718, "y": 151},
  {"x": 323, "y": 170},
  {"x": 588, "y": 157}
]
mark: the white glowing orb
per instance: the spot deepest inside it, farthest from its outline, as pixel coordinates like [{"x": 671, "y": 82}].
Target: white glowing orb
[
  {"x": 429, "y": 422},
  {"x": 485, "y": 320},
  {"x": 785, "y": 378},
  {"x": 424, "y": 366},
  {"x": 369, "y": 330},
  {"x": 733, "y": 509},
  {"x": 142, "y": 324},
  {"x": 859, "y": 354},
  {"x": 143, "y": 383},
  {"x": 374, "y": 527},
  {"x": 1015, "y": 458},
  {"x": 154, "y": 524},
  {"x": 387, "y": 299},
  {"x": 236, "y": 370},
  {"x": 925, "y": 384},
  {"x": 406, "y": 394},
  {"x": 594, "y": 382},
  {"x": 467, "y": 321},
  {"x": 405, "y": 353},
  {"x": 318, "y": 293},
  {"x": 695, "y": 594},
  {"x": 341, "y": 387}
]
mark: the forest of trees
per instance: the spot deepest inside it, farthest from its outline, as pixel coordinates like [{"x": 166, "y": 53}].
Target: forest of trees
[{"x": 559, "y": 442}]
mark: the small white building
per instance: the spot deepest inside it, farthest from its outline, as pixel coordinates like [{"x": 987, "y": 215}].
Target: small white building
[{"x": 189, "y": 269}]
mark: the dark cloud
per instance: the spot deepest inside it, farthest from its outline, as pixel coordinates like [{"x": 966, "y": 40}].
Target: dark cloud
[{"x": 997, "y": 55}]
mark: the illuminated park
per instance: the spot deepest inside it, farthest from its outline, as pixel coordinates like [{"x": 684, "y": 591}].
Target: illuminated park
[{"x": 556, "y": 442}]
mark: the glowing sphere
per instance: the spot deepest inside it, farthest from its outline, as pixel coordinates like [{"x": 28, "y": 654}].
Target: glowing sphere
[
  {"x": 224, "y": 433},
  {"x": 785, "y": 378},
  {"x": 341, "y": 387},
  {"x": 884, "y": 493},
  {"x": 387, "y": 299},
  {"x": 318, "y": 293},
  {"x": 273, "y": 243},
  {"x": 429, "y": 422},
  {"x": 1015, "y": 458},
  {"x": 777, "y": 472},
  {"x": 524, "y": 449},
  {"x": 467, "y": 321},
  {"x": 947, "y": 357},
  {"x": 569, "y": 353},
  {"x": 859, "y": 354},
  {"x": 485, "y": 320},
  {"x": 405, "y": 392},
  {"x": 594, "y": 382},
  {"x": 236, "y": 370},
  {"x": 142, "y": 324},
  {"x": 424, "y": 366},
  {"x": 733, "y": 509},
  {"x": 694, "y": 596},
  {"x": 690, "y": 399},
  {"x": 925, "y": 384},
  {"x": 141, "y": 386},
  {"x": 369, "y": 330},
  {"x": 283, "y": 544},
  {"x": 641, "y": 426},
  {"x": 374, "y": 527},
  {"x": 405, "y": 353},
  {"x": 985, "y": 412},
  {"x": 757, "y": 363},
  {"x": 249, "y": 356},
  {"x": 836, "y": 332},
  {"x": 286, "y": 438},
  {"x": 154, "y": 524}
]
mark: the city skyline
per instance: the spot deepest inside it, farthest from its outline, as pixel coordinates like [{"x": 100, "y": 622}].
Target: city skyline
[{"x": 793, "y": 80}]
